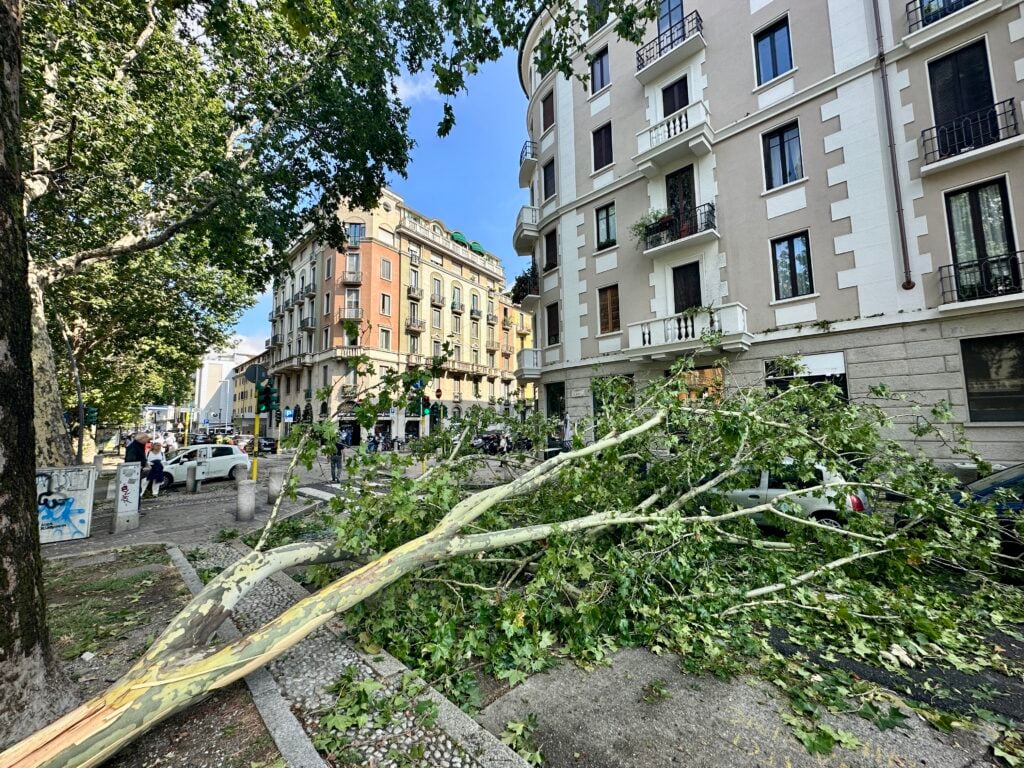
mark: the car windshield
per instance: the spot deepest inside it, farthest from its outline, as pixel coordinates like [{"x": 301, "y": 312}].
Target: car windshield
[{"x": 986, "y": 484}]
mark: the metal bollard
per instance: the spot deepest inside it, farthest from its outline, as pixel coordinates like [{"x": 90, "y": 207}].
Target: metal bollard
[
  {"x": 191, "y": 483},
  {"x": 246, "y": 509},
  {"x": 275, "y": 485}
]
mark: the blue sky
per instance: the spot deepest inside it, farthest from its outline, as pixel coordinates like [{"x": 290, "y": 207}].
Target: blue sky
[{"x": 468, "y": 179}]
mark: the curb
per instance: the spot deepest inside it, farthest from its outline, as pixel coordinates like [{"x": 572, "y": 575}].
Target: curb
[
  {"x": 288, "y": 734},
  {"x": 478, "y": 742}
]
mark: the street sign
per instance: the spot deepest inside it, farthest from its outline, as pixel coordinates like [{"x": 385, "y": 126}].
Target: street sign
[
  {"x": 255, "y": 373},
  {"x": 437, "y": 393},
  {"x": 289, "y": 415},
  {"x": 206, "y": 422}
]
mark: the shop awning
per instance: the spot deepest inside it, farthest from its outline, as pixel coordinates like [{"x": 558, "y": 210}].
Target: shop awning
[
  {"x": 475, "y": 247},
  {"x": 460, "y": 238}
]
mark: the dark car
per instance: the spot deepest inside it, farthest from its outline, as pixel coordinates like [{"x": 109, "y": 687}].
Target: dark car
[
  {"x": 267, "y": 445},
  {"x": 1006, "y": 490}
]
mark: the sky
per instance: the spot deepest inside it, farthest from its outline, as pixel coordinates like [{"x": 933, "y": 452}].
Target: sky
[{"x": 469, "y": 179}]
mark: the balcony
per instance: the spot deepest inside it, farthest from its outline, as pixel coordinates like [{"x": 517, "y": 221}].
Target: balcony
[
  {"x": 309, "y": 291},
  {"x": 414, "y": 259},
  {"x": 527, "y": 162},
  {"x": 456, "y": 397},
  {"x": 306, "y": 359},
  {"x": 351, "y": 277},
  {"x": 348, "y": 391},
  {"x": 921, "y": 13},
  {"x": 297, "y": 298},
  {"x": 276, "y": 340},
  {"x": 345, "y": 352},
  {"x": 492, "y": 345},
  {"x": 287, "y": 364},
  {"x": 523, "y": 330},
  {"x": 694, "y": 228},
  {"x": 436, "y": 300},
  {"x": 287, "y": 304},
  {"x": 670, "y": 48},
  {"x": 457, "y": 366},
  {"x": 486, "y": 264},
  {"x": 414, "y": 292},
  {"x": 506, "y": 323},
  {"x": 307, "y": 324},
  {"x": 507, "y": 350},
  {"x": 415, "y": 325},
  {"x": 267, "y": 344},
  {"x": 527, "y": 231},
  {"x": 528, "y": 365},
  {"x": 458, "y": 307},
  {"x": 348, "y": 313},
  {"x": 683, "y": 135},
  {"x": 982, "y": 279},
  {"x": 984, "y": 129},
  {"x": 507, "y": 376},
  {"x": 475, "y": 314},
  {"x": 663, "y": 337},
  {"x": 271, "y": 315}
]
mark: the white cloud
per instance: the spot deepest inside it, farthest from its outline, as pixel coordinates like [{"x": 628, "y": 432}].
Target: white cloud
[
  {"x": 249, "y": 345},
  {"x": 419, "y": 87}
]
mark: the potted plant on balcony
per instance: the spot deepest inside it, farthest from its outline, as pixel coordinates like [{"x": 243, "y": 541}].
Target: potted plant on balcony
[{"x": 644, "y": 223}]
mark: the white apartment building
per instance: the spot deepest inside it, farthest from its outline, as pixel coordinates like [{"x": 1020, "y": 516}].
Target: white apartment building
[
  {"x": 837, "y": 179},
  {"x": 213, "y": 389}
]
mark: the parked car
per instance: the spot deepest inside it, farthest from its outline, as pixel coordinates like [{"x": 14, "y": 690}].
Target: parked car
[
  {"x": 219, "y": 461},
  {"x": 830, "y": 508},
  {"x": 1006, "y": 490},
  {"x": 267, "y": 445}
]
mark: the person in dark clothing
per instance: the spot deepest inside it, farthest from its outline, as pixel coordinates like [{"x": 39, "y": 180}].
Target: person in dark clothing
[
  {"x": 136, "y": 450},
  {"x": 337, "y": 459}
]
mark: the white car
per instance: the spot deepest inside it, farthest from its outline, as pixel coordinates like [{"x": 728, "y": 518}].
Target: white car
[
  {"x": 212, "y": 462},
  {"x": 830, "y": 507}
]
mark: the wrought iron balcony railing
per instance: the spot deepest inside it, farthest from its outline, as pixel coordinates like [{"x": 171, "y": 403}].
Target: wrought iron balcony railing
[
  {"x": 528, "y": 152},
  {"x": 921, "y": 13},
  {"x": 672, "y": 228},
  {"x": 982, "y": 279},
  {"x": 971, "y": 131},
  {"x": 689, "y": 25}
]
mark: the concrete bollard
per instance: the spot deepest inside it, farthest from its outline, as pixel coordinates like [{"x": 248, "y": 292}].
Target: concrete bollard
[
  {"x": 191, "y": 483},
  {"x": 97, "y": 461},
  {"x": 246, "y": 509},
  {"x": 275, "y": 485}
]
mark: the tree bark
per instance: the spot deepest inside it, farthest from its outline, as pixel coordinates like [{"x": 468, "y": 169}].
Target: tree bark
[
  {"x": 30, "y": 691},
  {"x": 53, "y": 444}
]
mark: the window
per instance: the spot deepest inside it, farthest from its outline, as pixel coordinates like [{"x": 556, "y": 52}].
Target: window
[
  {"x": 327, "y": 303},
  {"x": 670, "y": 13},
  {"x": 474, "y": 329},
  {"x": 414, "y": 345},
  {"x": 387, "y": 237},
  {"x": 555, "y": 396},
  {"x": 437, "y": 348},
  {"x": 475, "y": 355},
  {"x": 457, "y": 352},
  {"x": 385, "y": 269},
  {"x": 328, "y": 265},
  {"x": 326, "y": 380},
  {"x": 791, "y": 262},
  {"x": 414, "y": 278},
  {"x": 547, "y": 111},
  {"x": 414, "y": 310},
  {"x": 597, "y": 15},
  {"x": 771, "y": 47},
  {"x": 599, "y": 76},
  {"x": 606, "y": 226},
  {"x": 984, "y": 262},
  {"x": 550, "y": 249},
  {"x": 782, "y": 161},
  {"x": 385, "y": 304},
  {"x": 551, "y": 314},
  {"x": 549, "y": 179},
  {"x": 994, "y": 372},
  {"x": 603, "y": 147},
  {"x": 222, "y": 450},
  {"x": 352, "y": 298},
  {"x": 456, "y": 294},
  {"x": 438, "y": 289},
  {"x": 385, "y": 338},
  {"x": 326, "y": 339},
  {"x": 435, "y": 318},
  {"x": 608, "y": 306},
  {"x": 356, "y": 233},
  {"x": 674, "y": 97},
  {"x": 962, "y": 103},
  {"x": 414, "y": 251},
  {"x": 456, "y": 324},
  {"x": 474, "y": 301},
  {"x": 490, "y": 360}
]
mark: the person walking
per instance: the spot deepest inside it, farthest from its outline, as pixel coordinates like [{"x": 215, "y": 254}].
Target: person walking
[
  {"x": 170, "y": 442},
  {"x": 155, "y": 459},
  {"x": 337, "y": 458},
  {"x": 135, "y": 453}
]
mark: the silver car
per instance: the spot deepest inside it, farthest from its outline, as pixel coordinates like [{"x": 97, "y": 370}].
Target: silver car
[{"x": 830, "y": 507}]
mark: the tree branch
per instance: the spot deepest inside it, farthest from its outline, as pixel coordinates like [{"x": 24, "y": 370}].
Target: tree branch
[{"x": 140, "y": 42}]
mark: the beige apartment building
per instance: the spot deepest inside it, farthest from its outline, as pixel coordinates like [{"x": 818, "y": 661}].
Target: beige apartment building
[
  {"x": 838, "y": 179},
  {"x": 402, "y": 288}
]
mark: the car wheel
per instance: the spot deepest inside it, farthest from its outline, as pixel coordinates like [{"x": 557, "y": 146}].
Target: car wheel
[
  {"x": 828, "y": 518},
  {"x": 237, "y": 472},
  {"x": 167, "y": 482}
]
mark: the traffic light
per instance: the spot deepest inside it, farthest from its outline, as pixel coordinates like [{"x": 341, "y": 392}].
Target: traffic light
[
  {"x": 426, "y": 405},
  {"x": 266, "y": 396}
]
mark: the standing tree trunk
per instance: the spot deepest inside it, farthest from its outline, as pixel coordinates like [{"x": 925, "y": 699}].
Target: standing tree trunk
[
  {"x": 28, "y": 695},
  {"x": 53, "y": 444}
]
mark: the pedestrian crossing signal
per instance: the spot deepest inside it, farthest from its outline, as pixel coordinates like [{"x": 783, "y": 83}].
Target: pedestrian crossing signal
[{"x": 266, "y": 397}]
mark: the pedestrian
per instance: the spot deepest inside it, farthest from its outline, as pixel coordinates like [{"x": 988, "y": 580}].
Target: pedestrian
[
  {"x": 170, "y": 442},
  {"x": 155, "y": 459},
  {"x": 337, "y": 458},
  {"x": 136, "y": 453}
]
